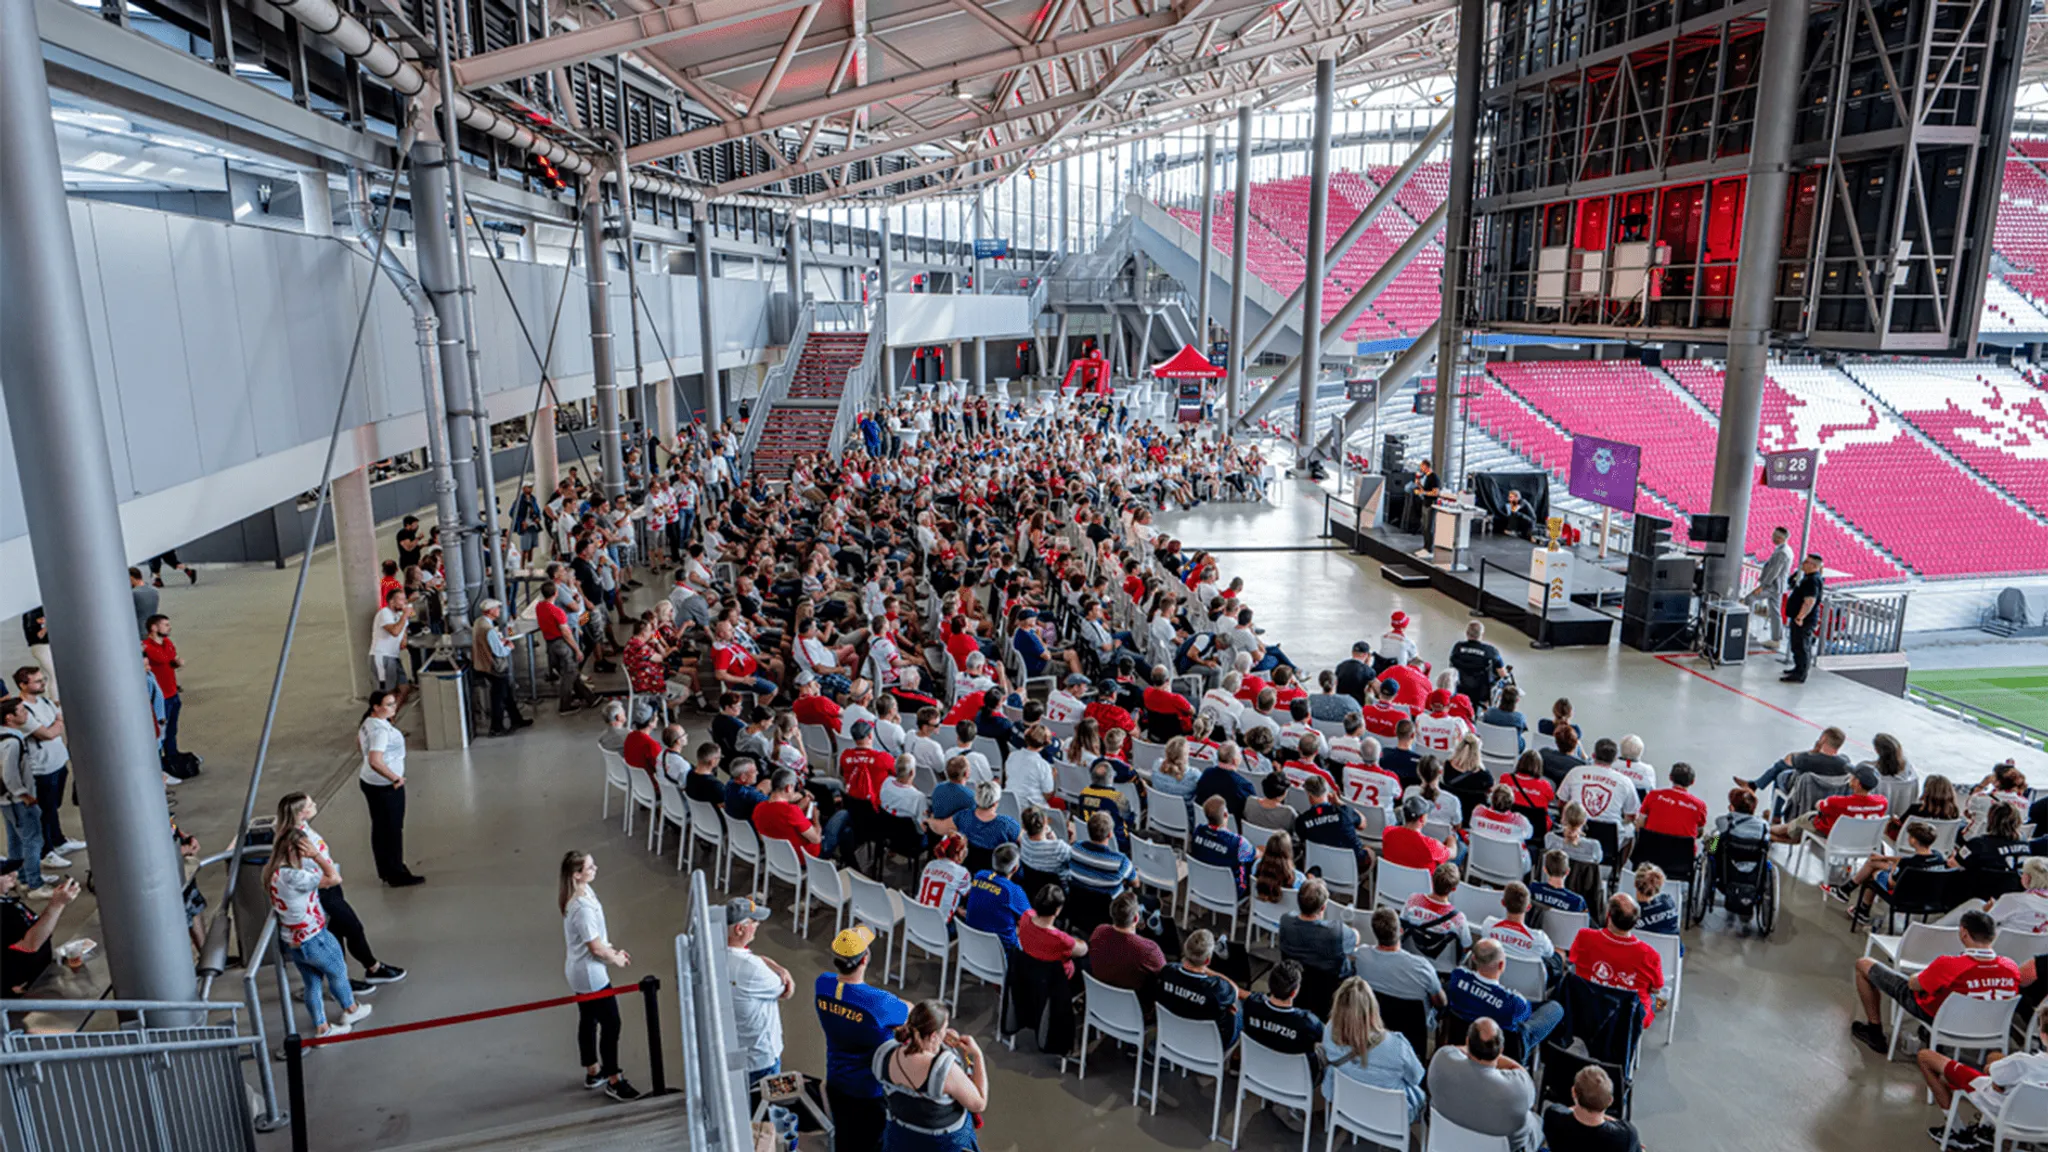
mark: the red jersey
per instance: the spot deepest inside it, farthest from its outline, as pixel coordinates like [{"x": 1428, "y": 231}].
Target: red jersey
[
  {"x": 1674, "y": 812},
  {"x": 734, "y": 660},
  {"x": 1107, "y": 715},
  {"x": 818, "y": 710},
  {"x": 1622, "y": 962},
  {"x": 1978, "y": 972},
  {"x": 552, "y": 620},
  {"x": 1166, "y": 702},
  {"x": 1298, "y": 772},
  {"x": 961, "y": 645},
  {"x": 1532, "y": 792},
  {"x": 163, "y": 663},
  {"x": 781, "y": 820},
  {"x": 1249, "y": 688},
  {"x": 967, "y": 707},
  {"x": 1047, "y": 944},
  {"x": 1410, "y": 848},
  {"x": 864, "y": 769},
  {"x": 1414, "y": 683},
  {"x": 1835, "y": 807},
  {"x": 642, "y": 751},
  {"x": 1381, "y": 720},
  {"x": 1282, "y": 697}
]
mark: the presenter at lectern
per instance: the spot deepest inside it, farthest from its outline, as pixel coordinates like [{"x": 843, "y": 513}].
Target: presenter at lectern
[{"x": 1422, "y": 499}]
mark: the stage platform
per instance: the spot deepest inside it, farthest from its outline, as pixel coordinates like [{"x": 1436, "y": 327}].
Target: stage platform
[{"x": 1504, "y": 561}]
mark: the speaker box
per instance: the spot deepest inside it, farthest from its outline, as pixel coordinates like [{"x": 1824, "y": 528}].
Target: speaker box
[
  {"x": 1662, "y": 573},
  {"x": 1393, "y": 453},
  {"x": 1656, "y": 605},
  {"x": 1653, "y": 636},
  {"x": 1652, "y": 534},
  {"x": 1707, "y": 528}
]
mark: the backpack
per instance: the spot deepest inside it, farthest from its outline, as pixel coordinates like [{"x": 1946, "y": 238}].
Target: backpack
[{"x": 1429, "y": 938}]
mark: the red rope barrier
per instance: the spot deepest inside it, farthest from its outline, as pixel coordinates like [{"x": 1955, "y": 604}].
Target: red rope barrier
[{"x": 467, "y": 1017}]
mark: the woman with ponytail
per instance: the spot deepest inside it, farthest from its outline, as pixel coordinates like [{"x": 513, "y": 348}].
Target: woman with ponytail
[
  {"x": 934, "y": 1084},
  {"x": 590, "y": 950},
  {"x": 293, "y": 878},
  {"x": 295, "y": 813}
]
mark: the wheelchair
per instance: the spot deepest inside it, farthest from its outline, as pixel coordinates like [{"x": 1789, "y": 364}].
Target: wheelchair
[
  {"x": 1740, "y": 873},
  {"x": 1680, "y": 859}
]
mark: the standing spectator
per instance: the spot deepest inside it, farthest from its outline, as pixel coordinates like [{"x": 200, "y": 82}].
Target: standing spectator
[
  {"x": 1586, "y": 1126},
  {"x": 1766, "y": 598},
  {"x": 1117, "y": 955},
  {"x": 49, "y": 762},
  {"x": 382, "y": 777},
  {"x": 295, "y": 812},
  {"x": 934, "y": 1083},
  {"x": 589, "y": 950},
  {"x": 856, "y": 1020},
  {"x": 565, "y": 655},
  {"x": 1477, "y": 1088},
  {"x": 387, "y": 644},
  {"x": 18, "y": 797},
  {"x": 25, "y": 948},
  {"x": 162, "y": 656},
  {"x": 758, "y": 985},
  {"x": 145, "y": 598},
  {"x": 1358, "y": 1045},
  {"x": 490, "y": 656},
  {"x": 1802, "y": 610},
  {"x": 36, "y": 634},
  {"x": 294, "y": 878}
]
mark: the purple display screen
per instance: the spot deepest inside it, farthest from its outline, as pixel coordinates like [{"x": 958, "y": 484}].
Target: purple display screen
[{"x": 1604, "y": 472}]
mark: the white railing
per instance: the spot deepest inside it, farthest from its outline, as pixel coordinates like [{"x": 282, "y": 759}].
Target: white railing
[
  {"x": 776, "y": 386},
  {"x": 860, "y": 387}
]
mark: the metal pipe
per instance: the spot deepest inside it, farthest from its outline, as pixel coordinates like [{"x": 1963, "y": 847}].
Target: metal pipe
[
  {"x": 1458, "y": 236},
  {"x": 458, "y": 205},
  {"x": 1240, "y": 220},
  {"x": 1379, "y": 202},
  {"x": 252, "y": 967},
  {"x": 1407, "y": 364},
  {"x": 1208, "y": 238},
  {"x": 74, "y": 519},
  {"x": 596, "y": 276},
  {"x": 640, "y": 385},
  {"x": 435, "y": 245},
  {"x": 1756, "y": 280},
  {"x": 1312, "y": 280}
]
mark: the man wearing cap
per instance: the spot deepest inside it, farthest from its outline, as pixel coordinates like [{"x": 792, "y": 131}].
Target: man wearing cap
[
  {"x": 856, "y": 1019},
  {"x": 758, "y": 985},
  {"x": 1862, "y": 799},
  {"x": 1029, "y": 645},
  {"x": 812, "y": 705},
  {"x": 1107, "y": 713},
  {"x": 1408, "y": 845},
  {"x": 1354, "y": 676},
  {"x": 1062, "y": 706},
  {"x": 25, "y": 948},
  {"x": 490, "y": 656}
]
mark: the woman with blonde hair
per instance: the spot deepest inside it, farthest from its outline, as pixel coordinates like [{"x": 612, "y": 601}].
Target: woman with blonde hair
[
  {"x": 293, "y": 878},
  {"x": 1358, "y": 1045}
]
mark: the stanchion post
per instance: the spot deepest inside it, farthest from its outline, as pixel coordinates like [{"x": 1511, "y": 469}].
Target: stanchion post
[
  {"x": 650, "y": 1002},
  {"x": 295, "y": 1086}
]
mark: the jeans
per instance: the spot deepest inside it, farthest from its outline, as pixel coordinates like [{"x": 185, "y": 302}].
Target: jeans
[
  {"x": 321, "y": 967},
  {"x": 25, "y": 841},
  {"x": 172, "y": 706},
  {"x": 1273, "y": 659},
  {"x": 387, "y": 830},
  {"x": 50, "y": 798},
  {"x": 835, "y": 829},
  {"x": 1540, "y": 1024}
]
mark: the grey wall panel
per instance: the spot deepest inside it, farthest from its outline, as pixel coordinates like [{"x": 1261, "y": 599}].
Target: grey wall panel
[
  {"x": 208, "y": 304},
  {"x": 392, "y": 383},
  {"x": 149, "y": 346},
  {"x": 317, "y": 275},
  {"x": 104, "y": 374},
  {"x": 266, "y": 350}
]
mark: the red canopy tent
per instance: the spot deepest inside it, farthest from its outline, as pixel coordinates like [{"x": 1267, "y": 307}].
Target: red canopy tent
[{"x": 1191, "y": 368}]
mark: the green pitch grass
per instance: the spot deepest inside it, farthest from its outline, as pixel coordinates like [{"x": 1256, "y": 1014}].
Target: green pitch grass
[{"x": 2018, "y": 693}]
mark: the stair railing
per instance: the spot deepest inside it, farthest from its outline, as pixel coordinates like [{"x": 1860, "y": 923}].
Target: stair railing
[
  {"x": 775, "y": 388},
  {"x": 860, "y": 387}
]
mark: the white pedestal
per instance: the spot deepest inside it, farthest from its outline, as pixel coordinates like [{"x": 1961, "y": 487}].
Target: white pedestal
[
  {"x": 1451, "y": 533},
  {"x": 1552, "y": 572}
]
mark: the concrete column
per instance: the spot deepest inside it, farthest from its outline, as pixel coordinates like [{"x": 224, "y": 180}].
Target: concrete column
[
  {"x": 316, "y": 204},
  {"x": 67, "y": 487},
  {"x": 1208, "y": 236},
  {"x": 793, "y": 265},
  {"x": 1312, "y": 278},
  {"x": 1458, "y": 237},
  {"x": 707, "y": 326},
  {"x": 436, "y": 247},
  {"x": 642, "y": 389},
  {"x": 1756, "y": 278},
  {"x": 355, "y": 547},
  {"x": 1240, "y": 219},
  {"x": 596, "y": 273},
  {"x": 980, "y": 289},
  {"x": 547, "y": 463},
  {"x": 1066, "y": 221}
]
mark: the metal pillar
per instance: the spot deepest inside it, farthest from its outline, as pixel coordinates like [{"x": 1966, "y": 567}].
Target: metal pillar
[
  {"x": 640, "y": 385},
  {"x": 1240, "y": 226},
  {"x": 707, "y": 326},
  {"x": 980, "y": 289},
  {"x": 1458, "y": 237},
  {"x": 1756, "y": 279},
  {"x": 74, "y": 519},
  {"x": 1408, "y": 363},
  {"x": 596, "y": 274},
  {"x": 355, "y": 547},
  {"x": 1208, "y": 236},
  {"x": 883, "y": 281},
  {"x": 793, "y": 265},
  {"x": 316, "y": 204},
  {"x": 1312, "y": 276},
  {"x": 1066, "y": 224},
  {"x": 436, "y": 248},
  {"x": 1381, "y": 199}
]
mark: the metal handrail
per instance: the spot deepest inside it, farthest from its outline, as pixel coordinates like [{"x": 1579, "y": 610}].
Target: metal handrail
[
  {"x": 776, "y": 386},
  {"x": 860, "y": 385}
]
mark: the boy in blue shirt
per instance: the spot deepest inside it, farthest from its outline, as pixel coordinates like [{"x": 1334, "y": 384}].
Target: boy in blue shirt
[
  {"x": 1550, "y": 892},
  {"x": 994, "y": 901}
]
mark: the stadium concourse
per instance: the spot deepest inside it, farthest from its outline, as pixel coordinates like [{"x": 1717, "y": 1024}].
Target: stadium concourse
[{"x": 1759, "y": 1054}]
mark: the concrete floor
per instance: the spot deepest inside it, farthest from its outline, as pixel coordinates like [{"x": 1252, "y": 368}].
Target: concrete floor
[{"x": 1762, "y": 1057}]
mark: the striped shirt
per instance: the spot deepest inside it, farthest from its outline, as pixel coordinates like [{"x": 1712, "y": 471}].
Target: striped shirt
[{"x": 1099, "y": 867}]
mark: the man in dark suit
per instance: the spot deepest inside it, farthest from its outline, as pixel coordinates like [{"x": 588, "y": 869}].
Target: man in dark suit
[{"x": 1802, "y": 609}]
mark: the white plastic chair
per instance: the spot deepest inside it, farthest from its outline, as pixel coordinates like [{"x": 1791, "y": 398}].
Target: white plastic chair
[
  {"x": 823, "y": 884},
  {"x": 706, "y": 826},
  {"x": 1525, "y": 976},
  {"x": 1168, "y": 816},
  {"x": 925, "y": 926},
  {"x": 1273, "y": 1077},
  {"x": 1563, "y": 927},
  {"x": 1256, "y": 835},
  {"x": 2023, "y": 1119},
  {"x": 744, "y": 844},
  {"x": 1193, "y": 1046},
  {"x": 981, "y": 956},
  {"x": 991, "y": 752},
  {"x": 673, "y": 811},
  {"x": 1673, "y": 956},
  {"x": 1478, "y": 904},
  {"x": 1007, "y": 804},
  {"x": 1498, "y": 744},
  {"x": 1213, "y": 887},
  {"x": 873, "y": 904},
  {"x": 1378, "y": 1114},
  {"x": 1117, "y": 1014},
  {"x": 1850, "y": 841},
  {"x": 1146, "y": 756},
  {"x": 1915, "y": 948},
  {"x": 1445, "y": 1136},
  {"x": 616, "y": 778},
  {"x": 1069, "y": 780},
  {"x": 819, "y": 748},
  {"x": 641, "y": 794},
  {"x": 1372, "y": 828},
  {"x": 1339, "y": 868},
  {"x": 1393, "y": 884},
  {"x": 1159, "y": 866},
  {"x": 1266, "y": 916},
  {"x": 786, "y": 864},
  {"x": 1496, "y": 861},
  {"x": 1962, "y": 1023}
]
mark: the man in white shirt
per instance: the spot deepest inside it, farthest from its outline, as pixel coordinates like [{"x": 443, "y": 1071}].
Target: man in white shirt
[
  {"x": 859, "y": 697},
  {"x": 1062, "y": 706},
  {"x": 758, "y": 986},
  {"x": 387, "y": 645},
  {"x": 1260, "y": 715},
  {"x": 923, "y": 744},
  {"x": 49, "y": 762},
  {"x": 1030, "y": 774},
  {"x": 1436, "y": 729},
  {"x": 900, "y": 797},
  {"x": 1630, "y": 763},
  {"x": 1351, "y": 747},
  {"x": 1513, "y": 933},
  {"x": 1604, "y": 793},
  {"x": 978, "y": 768}
]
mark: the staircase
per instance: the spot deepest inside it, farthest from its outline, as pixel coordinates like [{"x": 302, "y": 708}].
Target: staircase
[
  {"x": 651, "y": 1125},
  {"x": 801, "y": 422}
]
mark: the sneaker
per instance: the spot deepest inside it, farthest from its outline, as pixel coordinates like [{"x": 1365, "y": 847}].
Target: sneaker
[
  {"x": 592, "y": 1081},
  {"x": 361, "y": 987},
  {"x": 52, "y": 860},
  {"x": 192, "y": 575},
  {"x": 620, "y": 1089},
  {"x": 71, "y": 846},
  {"x": 334, "y": 1030},
  {"x": 1871, "y": 1035},
  {"x": 408, "y": 880},
  {"x": 1962, "y": 1139},
  {"x": 43, "y": 893},
  {"x": 355, "y": 1013},
  {"x": 385, "y": 974},
  {"x": 171, "y": 781}
]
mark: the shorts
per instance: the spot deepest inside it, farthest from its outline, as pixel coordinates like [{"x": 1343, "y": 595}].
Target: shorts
[
  {"x": 1801, "y": 825},
  {"x": 390, "y": 672},
  {"x": 1893, "y": 984}
]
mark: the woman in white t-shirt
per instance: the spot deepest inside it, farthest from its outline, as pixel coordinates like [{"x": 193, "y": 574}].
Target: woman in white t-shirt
[
  {"x": 944, "y": 881},
  {"x": 382, "y": 777},
  {"x": 295, "y": 812},
  {"x": 589, "y": 951},
  {"x": 294, "y": 878}
]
